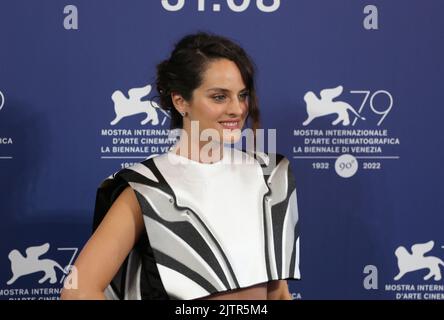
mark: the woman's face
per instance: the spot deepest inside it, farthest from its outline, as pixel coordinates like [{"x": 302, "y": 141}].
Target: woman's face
[{"x": 220, "y": 103}]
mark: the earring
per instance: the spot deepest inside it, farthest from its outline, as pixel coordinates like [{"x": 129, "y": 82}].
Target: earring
[{"x": 183, "y": 113}]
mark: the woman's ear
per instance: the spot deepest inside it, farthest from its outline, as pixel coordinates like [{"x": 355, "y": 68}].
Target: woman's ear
[{"x": 179, "y": 102}]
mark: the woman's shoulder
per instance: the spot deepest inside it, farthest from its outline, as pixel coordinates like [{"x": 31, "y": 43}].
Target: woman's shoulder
[
  {"x": 135, "y": 176},
  {"x": 138, "y": 172}
]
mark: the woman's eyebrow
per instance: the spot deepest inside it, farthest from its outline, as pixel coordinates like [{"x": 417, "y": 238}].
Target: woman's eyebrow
[{"x": 225, "y": 90}]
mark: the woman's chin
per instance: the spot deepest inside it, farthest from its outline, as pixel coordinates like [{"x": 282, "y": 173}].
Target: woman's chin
[{"x": 232, "y": 136}]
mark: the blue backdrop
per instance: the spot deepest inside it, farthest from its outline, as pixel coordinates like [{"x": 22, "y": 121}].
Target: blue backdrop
[{"x": 368, "y": 190}]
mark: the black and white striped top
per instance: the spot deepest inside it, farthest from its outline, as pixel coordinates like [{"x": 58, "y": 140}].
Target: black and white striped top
[{"x": 209, "y": 228}]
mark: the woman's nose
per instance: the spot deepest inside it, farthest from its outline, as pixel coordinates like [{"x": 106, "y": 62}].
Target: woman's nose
[{"x": 236, "y": 107}]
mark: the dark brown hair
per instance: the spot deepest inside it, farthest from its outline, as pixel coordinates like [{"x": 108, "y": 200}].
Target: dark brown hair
[{"x": 183, "y": 72}]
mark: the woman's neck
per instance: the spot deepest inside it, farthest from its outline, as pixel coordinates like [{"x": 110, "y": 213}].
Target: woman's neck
[{"x": 200, "y": 151}]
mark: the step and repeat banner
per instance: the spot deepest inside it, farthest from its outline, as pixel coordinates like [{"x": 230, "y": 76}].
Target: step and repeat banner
[{"x": 353, "y": 89}]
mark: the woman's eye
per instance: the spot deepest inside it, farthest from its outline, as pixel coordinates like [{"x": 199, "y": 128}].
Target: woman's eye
[
  {"x": 218, "y": 98},
  {"x": 245, "y": 95}
]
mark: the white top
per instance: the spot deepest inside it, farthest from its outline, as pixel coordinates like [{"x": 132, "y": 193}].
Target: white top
[
  {"x": 228, "y": 198},
  {"x": 211, "y": 227}
]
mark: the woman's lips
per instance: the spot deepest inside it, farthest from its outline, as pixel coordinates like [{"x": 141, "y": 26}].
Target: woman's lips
[{"x": 231, "y": 125}]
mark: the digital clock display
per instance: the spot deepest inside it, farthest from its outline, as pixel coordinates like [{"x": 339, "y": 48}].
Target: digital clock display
[{"x": 216, "y": 5}]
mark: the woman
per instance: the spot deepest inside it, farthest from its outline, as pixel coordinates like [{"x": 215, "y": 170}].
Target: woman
[{"x": 199, "y": 221}]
